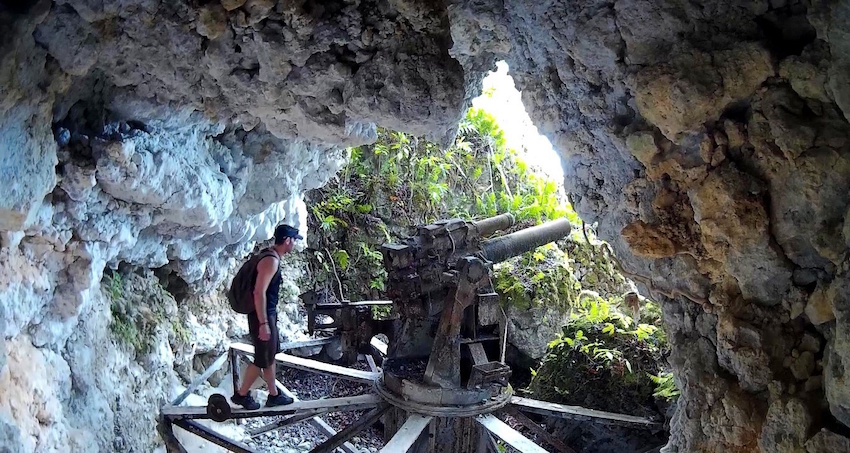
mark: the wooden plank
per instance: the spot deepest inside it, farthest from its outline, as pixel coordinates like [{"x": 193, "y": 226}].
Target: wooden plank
[
  {"x": 341, "y": 437},
  {"x": 348, "y": 403},
  {"x": 214, "y": 436},
  {"x": 219, "y": 362},
  {"x": 318, "y": 422},
  {"x": 563, "y": 411},
  {"x": 379, "y": 346},
  {"x": 301, "y": 363},
  {"x": 372, "y": 365},
  {"x": 362, "y": 303},
  {"x": 306, "y": 343},
  {"x": 408, "y": 434},
  {"x": 509, "y": 435},
  {"x": 537, "y": 429}
]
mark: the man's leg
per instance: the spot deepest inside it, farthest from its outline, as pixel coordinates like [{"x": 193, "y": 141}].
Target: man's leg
[
  {"x": 251, "y": 375},
  {"x": 269, "y": 376}
]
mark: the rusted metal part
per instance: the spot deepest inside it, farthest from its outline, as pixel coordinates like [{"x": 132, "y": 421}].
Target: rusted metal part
[
  {"x": 444, "y": 363},
  {"x": 550, "y": 439},
  {"x": 493, "y": 224},
  {"x": 448, "y": 409},
  {"x": 501, "y": 248}
]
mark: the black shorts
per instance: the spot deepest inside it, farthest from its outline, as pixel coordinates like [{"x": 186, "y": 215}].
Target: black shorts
[{"x": 264, "y": 351}]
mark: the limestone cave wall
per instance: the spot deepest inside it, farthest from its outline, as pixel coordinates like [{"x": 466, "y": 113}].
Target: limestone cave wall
[{"x": 709, "y": 140}]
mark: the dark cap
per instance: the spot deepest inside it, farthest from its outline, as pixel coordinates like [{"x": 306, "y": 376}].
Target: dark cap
[{"x": 285, "y": 231}]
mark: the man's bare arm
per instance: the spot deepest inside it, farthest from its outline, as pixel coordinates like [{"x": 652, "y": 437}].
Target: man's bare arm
[{"x": 266, "y": 269}]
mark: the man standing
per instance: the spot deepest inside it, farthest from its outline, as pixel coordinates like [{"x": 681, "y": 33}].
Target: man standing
[{"x": 262, "y": 323}]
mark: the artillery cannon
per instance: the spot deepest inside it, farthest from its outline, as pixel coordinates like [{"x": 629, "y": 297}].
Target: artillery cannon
[
  {"x": 437, "y": 377},
  {"x": 439, "y": 358}
]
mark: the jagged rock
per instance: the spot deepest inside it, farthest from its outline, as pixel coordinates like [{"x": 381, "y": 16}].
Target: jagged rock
[
  {"x": 691, "y": 89},
  {"x": 819, "y": 309},
  {"x": 531, "y": 330},
  {"x": 810, "y": 343},
  {"x": 740, "y": 349},
  {"x": 230, "y": 5},
  {"x": 826, "y": 441},
  {"x": 786, "y": 426},
  {"x": 648, "y": 241},
  {"x": 803, "y": 366},
  {"x": 734, "y": 226},
  {"x": 212, "y": 21},
  {"x": 837, "y": 355}
]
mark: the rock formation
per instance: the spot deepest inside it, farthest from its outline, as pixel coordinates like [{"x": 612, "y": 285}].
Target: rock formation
[{"x": 708, "y": 139}]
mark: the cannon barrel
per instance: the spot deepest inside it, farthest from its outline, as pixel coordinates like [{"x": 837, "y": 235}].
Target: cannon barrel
[
  {"x": 501, "y": 248},
  {"x": 490, "y": 225}
]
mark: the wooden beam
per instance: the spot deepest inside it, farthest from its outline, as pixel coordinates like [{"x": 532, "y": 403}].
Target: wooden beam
[
  {"x": 219, "y": 362},
  {"x": 362, "y": 303},
  {"x": 407, "y": 435},
  {"x": 166, "y": 431},
  {"x": 214, "y": 436},
  {"x": 509, "y": 435},
  {"x": 341, "y": 437},
  {"x": 576, "y": 412},
  {"x": 372, "y": 365},
  {"x": 379, "y": 346},
  {"x": 348, "y": 403},
  {"x": 366, "y": 377},
  {"x": 537, "y": 429}
]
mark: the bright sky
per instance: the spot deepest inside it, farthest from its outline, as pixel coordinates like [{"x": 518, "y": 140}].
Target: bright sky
[{"x": 501, "y": 99}]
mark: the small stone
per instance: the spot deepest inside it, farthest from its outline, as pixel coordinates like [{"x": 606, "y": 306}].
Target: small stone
[
  {"x": 734, "y": 133},
  {"x": 819, "y": 310},
  {"x": 706, "y": 149},
  {"x": 720, "y": 138},
  {"x": 804, "y": 276},
  {"x": 827, "y": 441},
  {"x": 803, "y": 367},
  {"x": 258, "y": 10},
  {"x": 810, "y": 343},
  {"x": 719, "y": 155},
  {"x": 795, "y": 353},
  {"x": 230, "y": 5},
  {"x": 813, "y": 383},
  {"x": 63, "y": 136},
  {"x": 642, "y": 146},
  {"x": 212, "y": 21}
]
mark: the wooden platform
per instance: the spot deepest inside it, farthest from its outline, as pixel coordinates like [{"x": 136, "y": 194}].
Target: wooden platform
[
  {"x": 366, "y": 377},
  {"x": 563, "y": 411},
  {"x": 349, "y": 403}
]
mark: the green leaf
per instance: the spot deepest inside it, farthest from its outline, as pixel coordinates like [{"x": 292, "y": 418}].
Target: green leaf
[{"x": 341, "y": 257}]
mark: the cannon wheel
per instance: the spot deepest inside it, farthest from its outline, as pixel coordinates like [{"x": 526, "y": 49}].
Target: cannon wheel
[{"x": 218, "y": 408}]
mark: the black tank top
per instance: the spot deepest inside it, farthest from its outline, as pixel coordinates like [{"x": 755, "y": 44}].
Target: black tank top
[{"x": 273, "y": 294}]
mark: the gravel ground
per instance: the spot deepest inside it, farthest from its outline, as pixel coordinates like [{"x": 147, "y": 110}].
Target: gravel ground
[{"x": 302, "y": 437}]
